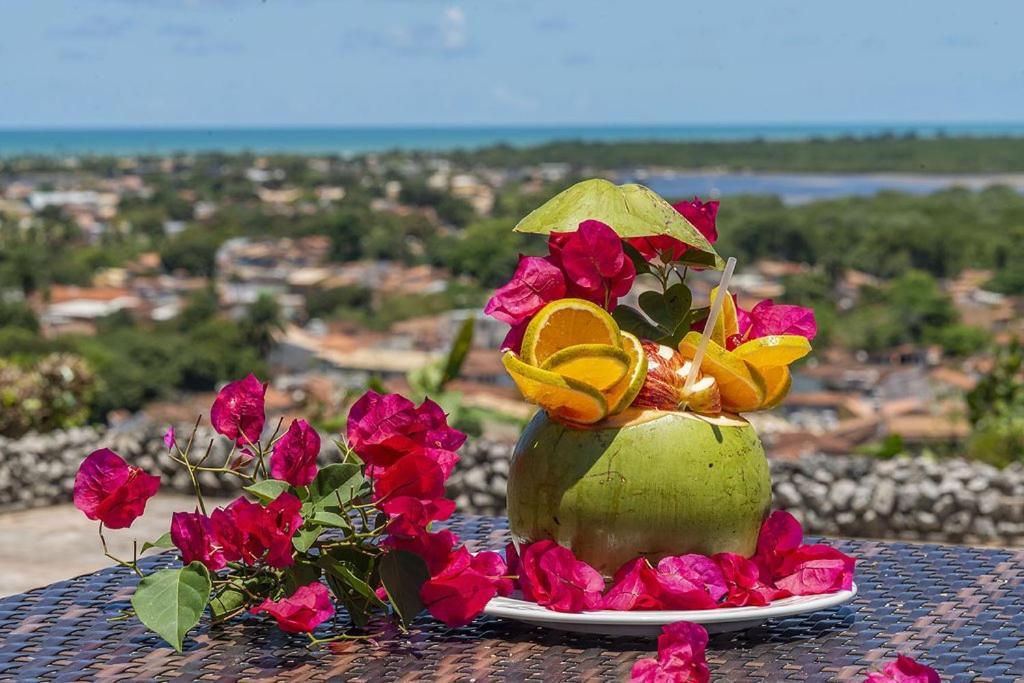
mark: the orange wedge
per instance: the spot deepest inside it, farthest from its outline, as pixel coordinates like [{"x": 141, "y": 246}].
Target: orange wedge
[
  {"x": 774, "y": 350},
  {"x": 567, "y": 322},
  {"x": 621, "y": 395},
  {"x": 599, "y": 365},
  {"x": 777, "y": 382},
  {"x": 741, "y": 385},
  {"x": 728, "y": 323},
  {"x": 563, "y": 398}
]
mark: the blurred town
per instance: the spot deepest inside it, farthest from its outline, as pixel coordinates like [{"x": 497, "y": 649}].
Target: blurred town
[{"x": 166, "y": 276}]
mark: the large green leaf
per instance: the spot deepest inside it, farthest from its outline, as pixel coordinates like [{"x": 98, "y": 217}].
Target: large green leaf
[
  {"x": 227, "y": 603},
  {"x": 403, "y": 574},
  {"x": 164, "y": 543},
  {"x": 342, "y": 480},
  {"x": 268, "y": 489},
  {"x": 631, "y": 210},
  {"x": 170, "y": 601}
]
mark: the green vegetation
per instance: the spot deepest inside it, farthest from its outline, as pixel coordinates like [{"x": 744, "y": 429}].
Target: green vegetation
[
  {"x": 873, "y": 154},
  {"x": 996, "y": 409},
  {"x": 54, "y": 392}
]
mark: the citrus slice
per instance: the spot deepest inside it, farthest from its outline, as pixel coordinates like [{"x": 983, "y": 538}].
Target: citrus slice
[
  {"x": 777, "y": 383},
  {"x": 563, "y": 398},
  {"x": 621, "y": 395},
  {"x": 727, "y": 324},
  {"x": 599, "y": 365},
  {"x": 774, "y": 350},
  {"x": 741, "y": 386},
  {"x": 567, "y": 322}
]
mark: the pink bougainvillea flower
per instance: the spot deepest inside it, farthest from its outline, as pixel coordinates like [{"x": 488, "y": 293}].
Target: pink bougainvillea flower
[
  {"x": 768, "y": 318},
  {"x": 550, "y": 575},
  {"x": 458, "y": 593},
  {"x": 416, "y": 475},
  {"x": 302, "y": 611},
  {"x": 668, "y": 249},
  {"x": 536, "y": 283},
  {"x": 250, "y": 533},
  {"x": 596, "y": 266},
  {"x": 904, "y": 670},
  {"x": 192, "y": 534},
  {"x": 492, "y": 565},
  {"x": 244, "y": 457},
  {"x": 295, "y": 454},
  {"x": 797, "y": 569},
  {"x": 238, "y": 411},
  {"x": 813, "y": 570},
  {"x": 513, "y": 341},
  {"x": 112, "y": 491},
  {"x": 681, "y": 657},
  {"x": 742, "y": 581},
  {"x": 169, "y": 441},
  {"x": 410, "y": 516},
  {"x": 634, "y": 587},
  {"x": 384, "y": 427},
  {"x": 690, "y": 582},
  {"x": 434, "y": 547},
  {"x": 780, "y": 535}
]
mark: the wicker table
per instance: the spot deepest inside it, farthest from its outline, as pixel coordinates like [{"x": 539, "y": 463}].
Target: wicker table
[{"x": 959, "y": 609}]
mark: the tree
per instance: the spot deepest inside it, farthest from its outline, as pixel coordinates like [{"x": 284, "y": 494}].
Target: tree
[
  {"x": 261, "y": 321},
  {"x": 18, "y": 314}
]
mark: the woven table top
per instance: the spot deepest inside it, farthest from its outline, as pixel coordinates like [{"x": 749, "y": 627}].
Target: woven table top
[{"x": 956, "y": 608}]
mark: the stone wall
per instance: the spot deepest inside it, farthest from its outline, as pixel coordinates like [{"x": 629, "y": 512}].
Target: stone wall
[{"x": 911, "y": 498}]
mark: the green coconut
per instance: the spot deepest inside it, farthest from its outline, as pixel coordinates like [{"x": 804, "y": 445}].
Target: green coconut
[{"x": 649, "y": 483}]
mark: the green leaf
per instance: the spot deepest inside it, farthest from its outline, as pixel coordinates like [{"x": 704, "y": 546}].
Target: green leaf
[
  {"x": 268, "y": 489},
  {"x": 403, "y": 573},
  {"x": 427, "y": 379},
  {"x": 302, "y": 573},
  {"x": 305, "y": 537},
  {"x": 163, "y": 542},
  {"x": 227, "y": 603},
  {"x": 640, "y": 263},
  {"x": 350, "y": 575},
  {"x": 631, "y": 210},
  {"x": 457, "y": 354},
  {"x": 633, "y": 321},
  {"x": 668, "y": 309},
  {"x": 346, "y": 574},
  {"x": 171, "y": 601},
  {"x": 338, "y": 479},
  {"x": 328, "y": 519}
]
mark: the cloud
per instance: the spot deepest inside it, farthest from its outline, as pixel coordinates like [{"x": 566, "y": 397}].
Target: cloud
[
  {"x": 96, "y": 27},
  {"x": 447, "y": 36}
]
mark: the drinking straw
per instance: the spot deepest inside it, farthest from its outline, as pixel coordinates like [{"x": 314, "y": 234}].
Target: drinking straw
[{"x": 709, "y": 325}]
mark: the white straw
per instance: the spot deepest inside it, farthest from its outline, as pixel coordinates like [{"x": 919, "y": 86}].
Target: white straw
[{"x": 709, "y": 325}]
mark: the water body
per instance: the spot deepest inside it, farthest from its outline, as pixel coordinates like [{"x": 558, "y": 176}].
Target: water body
[
  {"x": 800, "y": 188},
  {"x": 353, "y": 140}
]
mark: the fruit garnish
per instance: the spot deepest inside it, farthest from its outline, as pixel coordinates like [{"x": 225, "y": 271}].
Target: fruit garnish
[
  {"x": 599, "y": 365},
  {"x": 774, "y": 350},
  {"x": 778, "y": 381},
  {"x": 621, "y": 395},
  {"x": 727, "y": 325},
  {"x": 663, "y": 387},
  {"x": 741, "y": 386},
  {"x": 562, "y": 397},
  {"x": 564, "y": 323}
]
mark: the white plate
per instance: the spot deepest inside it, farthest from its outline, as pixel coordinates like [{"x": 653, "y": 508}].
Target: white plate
[{"x": 649, "y": 622}]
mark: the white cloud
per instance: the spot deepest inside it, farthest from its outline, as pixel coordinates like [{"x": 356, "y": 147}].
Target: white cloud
[{"x": 453, "y": 28}]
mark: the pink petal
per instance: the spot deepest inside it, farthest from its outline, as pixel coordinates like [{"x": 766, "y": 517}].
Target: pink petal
[
  {"x": 690, "y": 582},
  {"x": 815, "y": 569},
  {"x": 535, "y": 283},
  {"x": 767, "y": 319},
  {"x": 295, "y": 454},
  {"x": 702, "y": 215}
]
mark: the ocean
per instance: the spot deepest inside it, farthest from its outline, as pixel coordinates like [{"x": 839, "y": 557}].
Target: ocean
[{"x": 355, "y": 140}]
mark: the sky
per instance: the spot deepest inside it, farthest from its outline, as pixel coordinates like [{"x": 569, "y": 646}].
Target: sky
[{"x": 90, "y": 63}]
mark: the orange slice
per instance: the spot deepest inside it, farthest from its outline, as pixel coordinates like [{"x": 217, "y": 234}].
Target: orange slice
[
  {"x": 563, "y": 398},
  {"x": 741, "y": 386},
  {"x": 774, "y": 350},
  {"x": 567, "y": 322},
  {"x": 621, "y": 395},
  {"x": 599, "y": 365},
  {"x": 728, "y": 323},
  {"x": 777, "y": 383}
]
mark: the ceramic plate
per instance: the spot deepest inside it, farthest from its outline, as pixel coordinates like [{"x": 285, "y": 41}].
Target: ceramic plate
[{"x": 649, "y": 623}]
